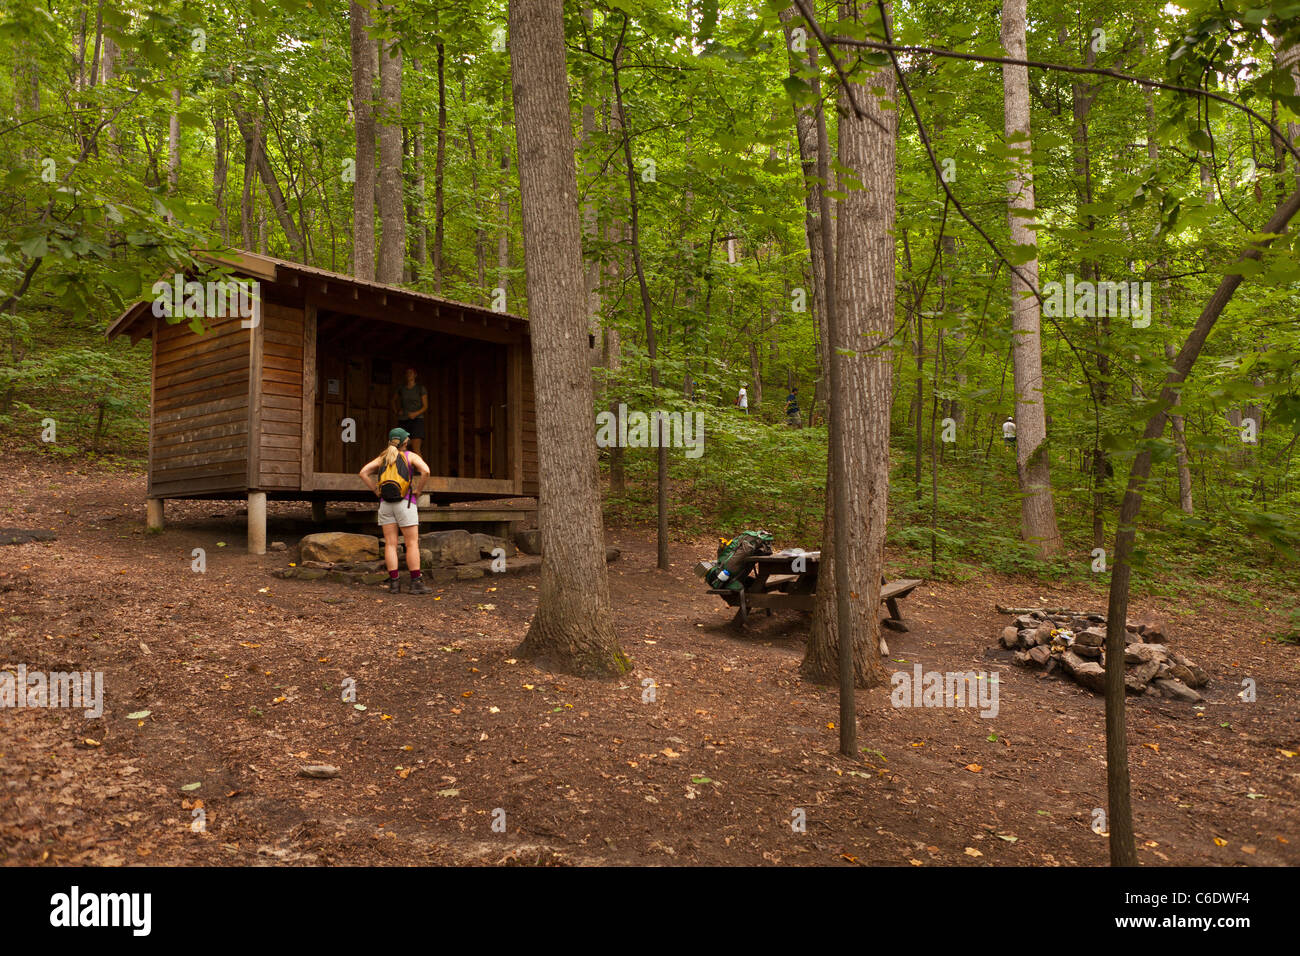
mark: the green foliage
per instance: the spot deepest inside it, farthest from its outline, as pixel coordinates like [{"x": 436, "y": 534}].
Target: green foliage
[{"x": 89, "y": 219}]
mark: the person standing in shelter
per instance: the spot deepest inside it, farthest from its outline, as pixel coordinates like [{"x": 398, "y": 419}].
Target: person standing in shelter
[
  {"x": 410, "y": 403},
  {"x": 742, "y": 400},
  {"x": 400, "y": 475}
]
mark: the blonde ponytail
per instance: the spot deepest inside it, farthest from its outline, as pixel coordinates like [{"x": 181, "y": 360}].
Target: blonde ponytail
[{"x": 390, "y": 453}]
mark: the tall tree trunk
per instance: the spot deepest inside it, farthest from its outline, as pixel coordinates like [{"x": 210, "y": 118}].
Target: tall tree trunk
[
  {"x": 365, "y": 67},
  {"x": 1178, "y": 425},
  {"x": 439, "y": 171},
  {"x": 220, "y": 171},
  {"x": 1288, "y": 59},
  {"x": 1176, "y": 422},
  {"x": 1082, "y": 97},
  {"x": 174, "y": 146},
  {"x": 806, "y": 118},
  {"x": 661, "y": 452},
  {"x": 612, "y": 354},
  {"x": 248, "y": 198},
  {"x": 480, "y": 233},
  {"x": 392, "y": 210},
  {"x": 590, "y": 222},
  {"x": 1037, "y": 511},
  {"x": 503, "y": 196},
  {"x": 417, "y": 225},
  {"x": 573, "y": 629},
  {"x": 1123, "y": 847},
  {"x": 861, "y": 318},
  {"x": 255, "y": 147}
]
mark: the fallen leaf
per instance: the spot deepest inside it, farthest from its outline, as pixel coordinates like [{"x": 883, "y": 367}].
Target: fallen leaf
[
  {"x": 1220, "y": 842},
  {"x": 670, "y": 753},
  {"x": 974, "y": 767},
  {"x": 139, "y": 715},
  {"x": 971, "y": 851},
  {"x": 191, "y": 786},
  {"x": 1155, "y": 747}
]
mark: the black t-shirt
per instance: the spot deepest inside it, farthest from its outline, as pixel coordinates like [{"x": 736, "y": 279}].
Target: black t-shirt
[{"x": 410, "y": 399}]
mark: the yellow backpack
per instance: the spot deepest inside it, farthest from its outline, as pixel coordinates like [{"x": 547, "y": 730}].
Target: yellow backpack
[{"x": 395, "y": 480}]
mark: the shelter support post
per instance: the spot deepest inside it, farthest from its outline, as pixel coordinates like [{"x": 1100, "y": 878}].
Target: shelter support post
[{"x": 257, "y": 522}]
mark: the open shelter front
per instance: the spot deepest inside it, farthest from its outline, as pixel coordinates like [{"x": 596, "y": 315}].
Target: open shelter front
[{"x": 292, "y": 402}]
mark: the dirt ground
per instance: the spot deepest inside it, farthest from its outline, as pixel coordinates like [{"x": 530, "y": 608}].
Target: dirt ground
[{"x": 241, "y": 674}]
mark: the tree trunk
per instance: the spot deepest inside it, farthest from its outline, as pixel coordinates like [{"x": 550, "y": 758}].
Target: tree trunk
[
  {"x": 806, "y": 119},
  {"x": 439, "y": 171},
  {"x": 248, "y": 198},
  {"x": 174, "y": 147},
  {"x": 573, "y": 629},
  {"x": 503, "y": 196},
  {"x": 364, "y": 70},
  {"x": 1123, "y": 848},
  {"x": 220, "y": 171},
  {"x": 861, "y": 314},
  {"x": 392, "y": 210},
  {"x": 1176, "y": 421},
  {"x": 661, "y": 452},
  {"x": 590, "y": 221},
  {"x": 1180, "y": 448},
  {"x": 612, "y": 355},
  {"x": 480, "y": 233},
  {"x": 1038, "y": 514},
  {"x": 417, "y": 223},
  {"x": 252, "y": 131}
]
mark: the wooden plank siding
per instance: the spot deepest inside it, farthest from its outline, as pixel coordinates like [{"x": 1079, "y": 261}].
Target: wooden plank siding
[
  {"x": 199, "y": 415},
  {"x": 280, "y": 413},
  {"x": 529, "y": 437}
]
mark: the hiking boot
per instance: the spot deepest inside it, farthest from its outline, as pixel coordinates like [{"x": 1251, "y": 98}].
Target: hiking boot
[
  {"x": 419, "y": 587},
  {"x": 394, "y": 585}
]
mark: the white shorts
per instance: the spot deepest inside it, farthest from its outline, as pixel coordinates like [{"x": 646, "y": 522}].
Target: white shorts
[{"x": 403, "y": 513}]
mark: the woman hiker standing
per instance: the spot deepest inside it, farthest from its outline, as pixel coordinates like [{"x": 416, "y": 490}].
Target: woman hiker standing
[
  {"x": 410, "y": 402},
  {"x": 401, "y": 474}
]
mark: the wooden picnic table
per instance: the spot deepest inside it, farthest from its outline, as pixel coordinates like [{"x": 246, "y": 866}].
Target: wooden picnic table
[{"x": 788, "y": 581}]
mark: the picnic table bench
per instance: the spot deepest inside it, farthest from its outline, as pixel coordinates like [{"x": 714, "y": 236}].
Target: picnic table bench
[{"x": 788, "y": 581}]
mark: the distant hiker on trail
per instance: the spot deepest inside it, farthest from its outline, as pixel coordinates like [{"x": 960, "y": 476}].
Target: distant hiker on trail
[
  {"x": 401, "y": 475},
  {"x": 792, "y": 407},
  {"x": 410, "y": 403},
  {"x": 742, "y": 400},
  {"x": 1009, "y": 432}
]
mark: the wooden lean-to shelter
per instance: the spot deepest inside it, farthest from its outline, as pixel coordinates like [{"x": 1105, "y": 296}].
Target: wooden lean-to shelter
[{"x": 259, "y": 408}]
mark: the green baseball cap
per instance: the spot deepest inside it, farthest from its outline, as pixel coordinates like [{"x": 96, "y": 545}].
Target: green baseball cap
[{"x": 401, "y": 434}]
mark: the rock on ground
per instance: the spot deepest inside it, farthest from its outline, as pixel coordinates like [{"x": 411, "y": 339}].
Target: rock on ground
[
  {"x": 450, "y": 547},
  {"x": 24, "y": 535},
  {"x": 335, "y": 547}
]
